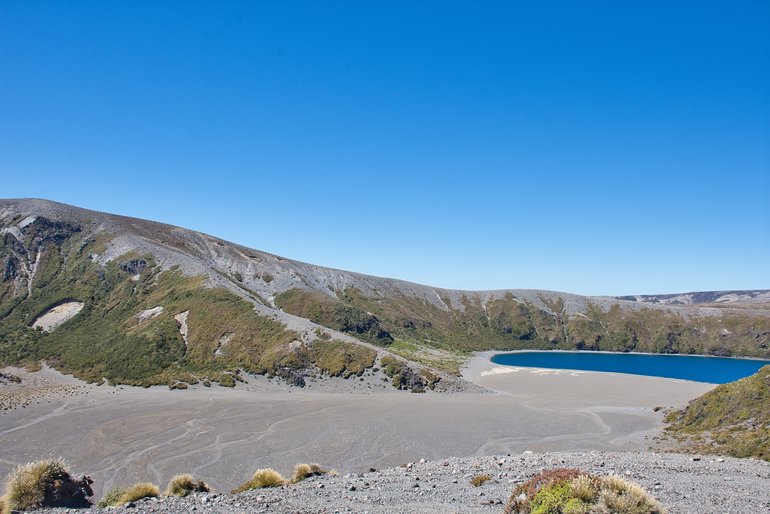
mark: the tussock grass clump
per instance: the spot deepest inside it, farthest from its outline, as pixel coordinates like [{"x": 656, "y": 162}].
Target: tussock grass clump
[
  {"x": 112, "y": 498},
  {"x": 570, "y": 491},
  {"x": 620, "y": 495},
  {"x": 303, "y": 471},
  {"x": 137, "y": 492},
  {"x": 585, "y": 488},
  {"x": 262, "y": 478},
  {"x": 182, "y": 485},
  {"x": 478, "y": 480},
  {"x": 45, "y": 483}
]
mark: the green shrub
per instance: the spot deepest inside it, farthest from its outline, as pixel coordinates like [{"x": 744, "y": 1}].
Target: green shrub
[
  {"x": 262, "y": 478},
  {"x": 226, "y": 380},
  {"x": 570, "y": 491},
  {"x": 339, "y": 358},
  {"x": 576, "y": 506},
  {"x": 551, "y": 499},
  {"x": 182, "y": 485}
]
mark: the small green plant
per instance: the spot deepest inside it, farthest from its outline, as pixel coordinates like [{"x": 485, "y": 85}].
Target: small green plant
[
  {"x": 303, "y": 471},
  {"x": 111, "y": 498},
  {"x": 571, "y": 491},
  {"x": 226, "y": 380},
  {"x": 551, "y": 499},
  {"x": 479, "y": 480},
  {"x": 262, "y": 478},
  {"x": 182, "y": 485}
]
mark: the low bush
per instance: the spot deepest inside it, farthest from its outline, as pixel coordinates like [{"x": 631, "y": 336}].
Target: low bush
[
  {"x": 571, "y": 491},
  {"x": 303, "y": 471},
  {"x": 620, "y": 495},
  {"x": 182, "y": 485},
  {"x": 45, "y": 483},
  {"x": 111, "y": 498},
  {"x": 478, "y": 480},
  {"x": 262, "y": 478},
  {"x": 139, "y": 491},
  {"x": 136, "y": 492}
]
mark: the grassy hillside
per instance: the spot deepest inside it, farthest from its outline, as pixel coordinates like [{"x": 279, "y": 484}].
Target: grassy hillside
[
  {"x": 510, "y": 323},
  {"x": 142, "y": 283},
  {"x": 109, "y": 339},
  {"x": 732, "y": 419}
]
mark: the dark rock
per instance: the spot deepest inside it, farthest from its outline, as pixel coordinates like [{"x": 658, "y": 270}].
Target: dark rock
[{"x": 134, "y": 266}]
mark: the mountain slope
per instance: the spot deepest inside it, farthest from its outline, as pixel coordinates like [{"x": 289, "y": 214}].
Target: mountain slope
[
  {"x": 733, "y": 419},
  {"x": 153, "y": 303}
]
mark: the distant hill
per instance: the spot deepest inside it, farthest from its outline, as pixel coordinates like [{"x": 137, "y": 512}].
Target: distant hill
[
  {"x": 725, "y": 298},
  {"x": 140, "y": 302},
  {"x": 733, "y": 419}
]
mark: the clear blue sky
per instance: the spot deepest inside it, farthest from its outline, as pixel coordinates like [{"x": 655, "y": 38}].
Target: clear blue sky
[{"x": 592, "y": 147}]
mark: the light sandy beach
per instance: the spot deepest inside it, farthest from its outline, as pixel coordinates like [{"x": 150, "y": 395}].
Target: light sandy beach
[{"x": 122, "y": 435}]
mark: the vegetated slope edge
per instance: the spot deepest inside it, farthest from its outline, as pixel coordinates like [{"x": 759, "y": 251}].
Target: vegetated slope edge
[{"x": 251, "y": 310}]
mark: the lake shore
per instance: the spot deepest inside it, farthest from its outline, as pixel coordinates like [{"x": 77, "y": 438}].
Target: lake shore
[{"x": 123, "y": 434}]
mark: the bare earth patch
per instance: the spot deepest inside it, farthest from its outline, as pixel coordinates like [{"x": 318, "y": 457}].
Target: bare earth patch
[
  {"x": 57, "y": 316},
  {"x": 181, "y": 318},
  {"x": 149, "y": 314}
]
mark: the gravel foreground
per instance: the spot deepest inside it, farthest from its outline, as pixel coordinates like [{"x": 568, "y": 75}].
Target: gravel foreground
[{"x": 683, "y": 483}]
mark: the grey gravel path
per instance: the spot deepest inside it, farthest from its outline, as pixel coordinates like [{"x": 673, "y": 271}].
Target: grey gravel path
[{"x": 683, "y": 483}]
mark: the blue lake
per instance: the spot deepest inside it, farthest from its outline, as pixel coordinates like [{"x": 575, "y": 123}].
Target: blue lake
[{"x": 716, "y": 370}]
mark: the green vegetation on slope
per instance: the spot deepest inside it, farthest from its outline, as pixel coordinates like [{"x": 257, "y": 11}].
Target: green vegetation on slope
[
  {"x": 341, "y": 316},
  {"x": 732, "y": 419},
  {"x": 109, "y": 339},
  {"x": 509, "y": 323}
]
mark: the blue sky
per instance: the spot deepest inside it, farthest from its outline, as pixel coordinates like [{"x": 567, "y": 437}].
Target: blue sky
[{"x": 590, "y": 147}]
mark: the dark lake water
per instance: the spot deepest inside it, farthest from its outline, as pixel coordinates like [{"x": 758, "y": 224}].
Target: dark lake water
[{"x": 716, "y": 370}]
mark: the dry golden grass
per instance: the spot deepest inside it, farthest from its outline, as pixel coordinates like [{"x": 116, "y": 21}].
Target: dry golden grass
[
  {"x": 478, "y": 480},
  {"x": 182, "y": 485},
  {"x": 267, "y": 477},
  {"x": 303, "y": 471},
  {"x": 620, "y": 495},
  {"x": 570, "y": 491},
  {"x": 111, "y": 498},
  {"x": 585, "y": 488},
  {"x": 139, "y": 491},
  {"x": 30, "y": 483}
]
